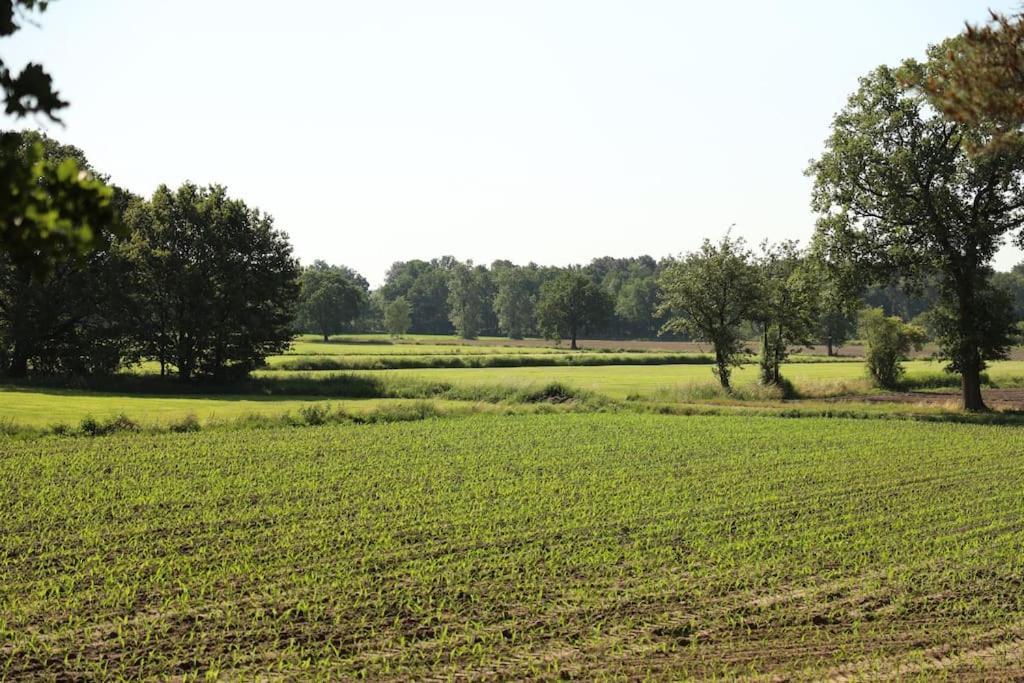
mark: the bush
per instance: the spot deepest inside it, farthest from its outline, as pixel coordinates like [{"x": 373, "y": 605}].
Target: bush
[
  {"x": 315, "y": 413},
  {"x": 90, "y": 426},
  {"x": 889, "y": 340},
  {"x": 189, "y": 423}
]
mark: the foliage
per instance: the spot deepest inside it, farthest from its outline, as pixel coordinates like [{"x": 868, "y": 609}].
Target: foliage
[
  {"x": 467, "y": 299},
  {"x": 398, "y": 317},
  {"x": 74, "y": 315},
  {"x": 889, "y": 340},
  {"x": 424, "y": 285},
  {"x": 788, "y": 309},
  {"x": 708, "y": 294},
  {"x": 515, "y": 300},
  {"x": 217, "y": 282},
  {"x": 980, "y": 79},
  {"x": 569, "y": 304},
  {"x": 50, "y": 208},
  {"x": 330, "y": 298},
  {"x": 898, "y": 193}
]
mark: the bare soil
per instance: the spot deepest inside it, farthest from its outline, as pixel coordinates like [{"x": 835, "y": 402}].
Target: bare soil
[{"x": 997, "y": 399}]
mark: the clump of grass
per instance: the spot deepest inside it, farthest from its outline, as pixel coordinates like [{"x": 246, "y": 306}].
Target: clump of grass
[
  {"x": 711, "y": 392},
  {"x": 405, "y": 412},
  {"x": 90, "y": 426},
  {"x": 189, "y": 423},
  {"x": 315, "y": 413}
]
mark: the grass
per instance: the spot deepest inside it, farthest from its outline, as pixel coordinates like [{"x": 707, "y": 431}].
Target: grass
[
  {"x": 517, "y": 547},
  {"x": 622, "y": 381},
  {"x": 37, "y": 407}
]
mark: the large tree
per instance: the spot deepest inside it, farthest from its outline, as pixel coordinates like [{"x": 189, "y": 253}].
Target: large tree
[
  {"x": 899, "y": 193},
  {"x": 515, "y": 300},
  {"x": 467, "y": 299},
  {"x": 709, "y": 294},
  {"x": 571, "y": 303},
  {"x": 788, "y": 308},
  {"x": 330, "y": 298},
  {"x": 71, "y": 317},
  {"x": 51, "y": 209},
  {"x": 219, "y": 280},
  {"x": 398, "y": 317},
  {"x": 424, "y": 285}
]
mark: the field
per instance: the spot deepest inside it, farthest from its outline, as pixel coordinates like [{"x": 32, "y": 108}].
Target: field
[
  {"x": 615, "y": 521},
  {"x": 620, "y": 381},
  {"x": 539, "y": 546}
]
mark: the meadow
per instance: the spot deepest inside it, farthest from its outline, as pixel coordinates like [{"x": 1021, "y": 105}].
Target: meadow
[
  {"x": 464, "y": 372},
  {"x": 540, "y": 546}
]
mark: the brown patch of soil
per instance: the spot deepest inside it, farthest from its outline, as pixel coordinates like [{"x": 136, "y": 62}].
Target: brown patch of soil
[{"x": 997, "y": 399}]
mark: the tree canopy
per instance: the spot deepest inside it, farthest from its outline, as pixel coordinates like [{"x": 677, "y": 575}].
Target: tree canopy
[
  {"x": 330, "y": 298},
  {"x": 220, "y": 279},
  {"x": 899, "y": 193},
  {"x": 709, "y": 294},
  {"x": 569, "y": 304},
  {"x": 51, "y": 208}
]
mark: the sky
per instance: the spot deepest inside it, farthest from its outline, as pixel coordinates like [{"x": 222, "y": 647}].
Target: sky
[{"x": 551, "y": 131}]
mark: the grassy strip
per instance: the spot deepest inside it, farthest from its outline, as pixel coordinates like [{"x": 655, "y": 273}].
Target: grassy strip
[
  {"x": 485, "y": 361},
  {"x": 314, "y": 414}
]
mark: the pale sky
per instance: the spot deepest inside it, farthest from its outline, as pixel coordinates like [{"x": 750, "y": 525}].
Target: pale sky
[{"x": 551, "y": 131}]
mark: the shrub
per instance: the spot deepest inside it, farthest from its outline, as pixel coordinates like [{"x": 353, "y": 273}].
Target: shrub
[
  {"x": 189, "y": 423},
  {"x": 315, "y": 413},
  {"x": 888, "y": 341},
  {"x": 90, "y": 426}
]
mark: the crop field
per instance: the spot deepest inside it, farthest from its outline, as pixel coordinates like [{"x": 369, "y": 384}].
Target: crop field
[{"x": 542, "y": 546}]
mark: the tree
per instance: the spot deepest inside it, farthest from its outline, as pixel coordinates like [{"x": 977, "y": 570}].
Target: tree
[
  {"x": 217, "y": 280},
  {"x": 569, "y": 304},
  {"x": 709, "y": 294},
  {"x": 398, "y": 317},
  {"x": 979, "y": 79},
  {"x": 788, "y": 307},
  {"x": 466, "y": 299},
  {"x": 888, "y": 341},
  {"x": 329, "y": 298},
  {"x": 50, "y": 208},
  {"x": 898, "y": 192},
  {"x": 73, "y": 316},
  {"x": 514, "y": 302},
  {"x": 424, "y": 285},
  {"x": 1013, "y": 283}
]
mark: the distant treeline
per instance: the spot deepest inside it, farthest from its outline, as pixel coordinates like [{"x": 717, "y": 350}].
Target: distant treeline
[
  {"x": 509, "y": 294},
  {"x": 208, "y": 287}
]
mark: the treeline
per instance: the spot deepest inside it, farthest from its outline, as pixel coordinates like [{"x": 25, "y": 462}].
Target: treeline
[
  {"x": 205, "y": 286},
  {"x": 190, "y": 278}
]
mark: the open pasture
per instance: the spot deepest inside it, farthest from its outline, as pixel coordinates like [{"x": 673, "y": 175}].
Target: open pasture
[
  {"x": 46, "y": 407},
  {"x": 620, "y": 381},
  {"x": 547, "y": 546}
]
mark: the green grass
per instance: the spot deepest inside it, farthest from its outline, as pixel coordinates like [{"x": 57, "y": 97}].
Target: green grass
[
  {"x": 542, "y": 546},
  {"x": 303, "y": 347},
  {"x": 626, "y": 380},
  {"x": 39, "y": 408}
]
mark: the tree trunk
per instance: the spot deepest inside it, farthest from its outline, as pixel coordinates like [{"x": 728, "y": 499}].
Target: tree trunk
[
  {"x": 572, "y": 339},
  {"x": 327, "y": 337},
  {"x": 723, "y": 371},
  {"x": 970, "y": 383},
  {"x": 828, "y": 345},
  {"x": 19, "y": 363}
]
